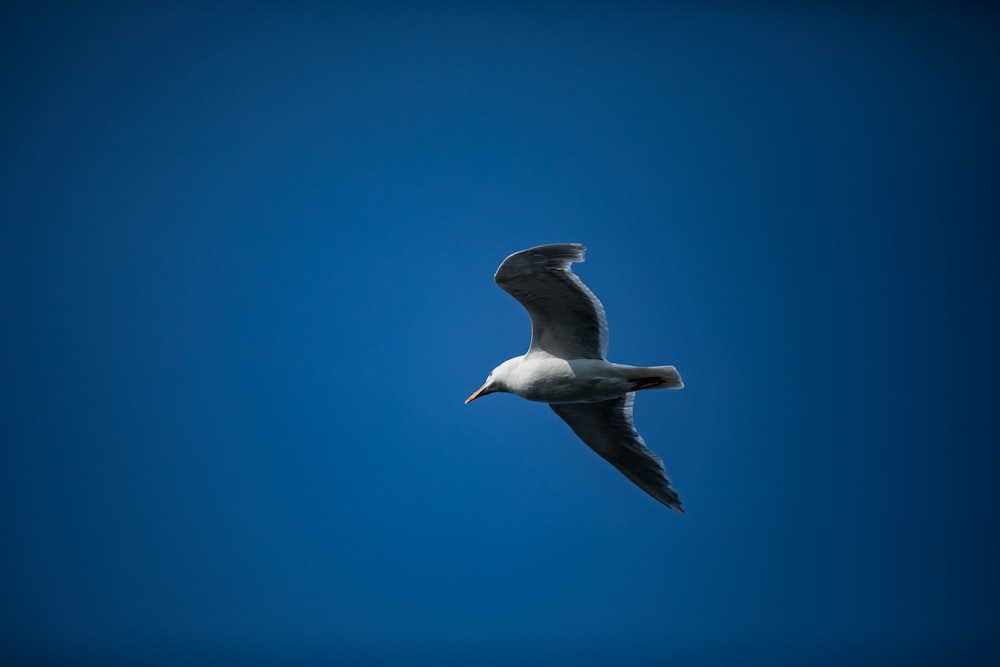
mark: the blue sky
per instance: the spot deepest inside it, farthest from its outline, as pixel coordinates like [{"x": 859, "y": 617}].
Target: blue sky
[{"x": 246, "y": 267}]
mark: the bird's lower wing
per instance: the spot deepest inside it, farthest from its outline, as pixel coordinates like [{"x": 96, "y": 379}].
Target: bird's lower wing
[{"x": 607, "y": 428}]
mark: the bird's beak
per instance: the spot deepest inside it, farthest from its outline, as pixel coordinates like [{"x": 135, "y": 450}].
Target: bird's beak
[{"x": 479, "y": 392}]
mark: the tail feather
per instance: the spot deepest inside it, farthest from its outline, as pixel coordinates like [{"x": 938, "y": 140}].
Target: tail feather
[{"x": 656, "y": 377}]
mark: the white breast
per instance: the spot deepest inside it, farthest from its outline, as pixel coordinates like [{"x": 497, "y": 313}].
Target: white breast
[{"x": 553, "y": 380}]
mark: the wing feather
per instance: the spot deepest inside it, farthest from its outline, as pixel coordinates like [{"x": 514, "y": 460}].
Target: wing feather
[
  {"x": 567, "y": 320},
  {"x": 608, "y": 429}
]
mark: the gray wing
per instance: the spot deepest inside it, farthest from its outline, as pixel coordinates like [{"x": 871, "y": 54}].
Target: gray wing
[
  {"x": 567, "y": 320},
  {"x": 607, "y": 428}
]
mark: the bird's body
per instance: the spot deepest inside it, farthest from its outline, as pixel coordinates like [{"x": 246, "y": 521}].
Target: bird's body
[
  {"x": 550, "y": 379},
  {"x": 565, "y": 365}
]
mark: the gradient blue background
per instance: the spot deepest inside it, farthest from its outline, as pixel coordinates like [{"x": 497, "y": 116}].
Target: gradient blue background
[{"x": 246, "y": 273}]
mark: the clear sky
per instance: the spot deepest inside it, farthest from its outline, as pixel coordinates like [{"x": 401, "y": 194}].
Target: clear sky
[{"x": 246, "y": 263}]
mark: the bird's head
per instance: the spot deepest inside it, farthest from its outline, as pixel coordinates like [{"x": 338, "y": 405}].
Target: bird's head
[{"x": 496, "y": 380}]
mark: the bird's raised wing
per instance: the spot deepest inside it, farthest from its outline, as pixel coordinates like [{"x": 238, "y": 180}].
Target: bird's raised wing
[
  {"x": 607, "y": 428},
  {"x": 567, "y": 320}
]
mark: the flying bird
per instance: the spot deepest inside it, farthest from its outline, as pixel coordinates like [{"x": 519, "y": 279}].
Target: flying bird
[{"x": 565, "y": 365}]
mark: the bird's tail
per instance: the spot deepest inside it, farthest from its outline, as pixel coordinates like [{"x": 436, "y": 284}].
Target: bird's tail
[{"x": 655, "y": 377}]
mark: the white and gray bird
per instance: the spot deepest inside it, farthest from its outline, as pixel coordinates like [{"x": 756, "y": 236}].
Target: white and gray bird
[{"x": 565, "y": 365}]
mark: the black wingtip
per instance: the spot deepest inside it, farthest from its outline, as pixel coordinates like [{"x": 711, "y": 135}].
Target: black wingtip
[{"x": 672, "y": 502}]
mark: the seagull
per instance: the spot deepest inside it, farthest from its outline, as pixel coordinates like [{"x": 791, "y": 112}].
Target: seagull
[{"x": 565, "y": 365}]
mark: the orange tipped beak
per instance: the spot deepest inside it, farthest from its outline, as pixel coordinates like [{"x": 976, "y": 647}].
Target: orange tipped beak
[{"x": 477, "y": 394}]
